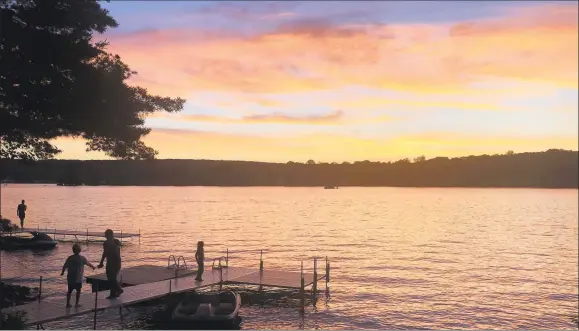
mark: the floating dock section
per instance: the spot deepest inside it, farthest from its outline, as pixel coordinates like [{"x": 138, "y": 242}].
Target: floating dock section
[{"x": 138, "y": 275}]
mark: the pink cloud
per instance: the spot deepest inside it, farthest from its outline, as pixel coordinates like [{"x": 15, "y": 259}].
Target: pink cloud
[{"x": 317, "y": 56}]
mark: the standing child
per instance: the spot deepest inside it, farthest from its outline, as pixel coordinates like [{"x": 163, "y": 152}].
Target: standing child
[
  {"x": 200, "y": 258},
  {"x": 75, "y": 265}
]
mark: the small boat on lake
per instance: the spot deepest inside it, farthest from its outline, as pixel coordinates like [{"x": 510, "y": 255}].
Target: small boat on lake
[
  {"x": 215, "y": 308},
  {"x": 35, "y": 240},
  {"x": 330, "y": 187},
  {"x": 69, "y": 184}
]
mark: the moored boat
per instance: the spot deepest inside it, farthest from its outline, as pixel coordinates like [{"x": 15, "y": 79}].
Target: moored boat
[
  {"x": 208, "y": 308},
  {"x": 37, "y": 240}
]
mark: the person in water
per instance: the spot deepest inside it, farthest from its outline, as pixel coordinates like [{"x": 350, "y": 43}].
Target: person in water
[
  {"x": 200, "y": 258},
  {"x": 75, "y": 265},
  {"x": 112, "y": 252},
  {"x": 21, "y": 213}
]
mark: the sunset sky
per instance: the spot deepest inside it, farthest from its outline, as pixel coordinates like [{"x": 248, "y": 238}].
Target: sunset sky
[{"x": 344, "y": 81}]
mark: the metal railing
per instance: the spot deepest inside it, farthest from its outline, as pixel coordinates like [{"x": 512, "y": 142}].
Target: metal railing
[{"x": 169, "y": 261}]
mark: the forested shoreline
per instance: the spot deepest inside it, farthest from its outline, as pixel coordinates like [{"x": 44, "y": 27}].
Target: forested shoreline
[{"x": 550, "y": 169}]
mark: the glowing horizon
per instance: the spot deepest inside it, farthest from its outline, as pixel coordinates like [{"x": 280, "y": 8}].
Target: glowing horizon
[{"x": 348, "y": 81}]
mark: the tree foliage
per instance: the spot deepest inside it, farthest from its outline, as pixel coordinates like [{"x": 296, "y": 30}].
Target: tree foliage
[
  {"x": 419, "y": 159},
  {"x": 12, "y": 321},
  {"x": 56, "y": 81},
  {"x": 552, "y": 169}
]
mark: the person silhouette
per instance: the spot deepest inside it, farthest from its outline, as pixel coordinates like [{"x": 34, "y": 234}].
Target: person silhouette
[
  {"x": 21, "y": 213},
  {"x": 200, "y": 259},
  {"x": 112, "y": 253}
]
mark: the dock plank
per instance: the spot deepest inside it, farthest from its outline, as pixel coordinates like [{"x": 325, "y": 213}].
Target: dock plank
[
  {"x": 276, "y": 278},
  {"x": 143, "y": 274}
]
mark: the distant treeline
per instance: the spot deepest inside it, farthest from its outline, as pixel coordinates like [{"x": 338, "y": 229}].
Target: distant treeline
[{"x": 550, "y": 169}]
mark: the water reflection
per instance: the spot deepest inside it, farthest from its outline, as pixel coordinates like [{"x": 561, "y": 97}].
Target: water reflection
[{"x": 401, "y": 258}]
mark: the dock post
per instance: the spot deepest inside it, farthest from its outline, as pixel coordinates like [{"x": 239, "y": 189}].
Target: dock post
[
  {"x": 139, "y": 236},
  {"x": 1, "y": 286},
  {"x": 261, "y": 261},
  {"x": 302, "y": 287},
  {"x": 315, "y": 286},
  {"x": 121, "y": 238},
  {"x": 96, "y": 298},
  {"x": 327, "y": 273},
  {"x": 87, "y": 236},
  {"x": 40, "y": 289},
  {"x": 227, "y": 257}
]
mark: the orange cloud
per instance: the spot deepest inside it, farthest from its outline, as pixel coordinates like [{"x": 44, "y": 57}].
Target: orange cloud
[
  {"x": 465, "y": 141},
  {"x": 333, "y": 118},
  {"x": 264, "y": 102},
  {"x": 321, "y": 147},
  {"x": 538, "y": 44},
  {"x": 362, "y": 103}
]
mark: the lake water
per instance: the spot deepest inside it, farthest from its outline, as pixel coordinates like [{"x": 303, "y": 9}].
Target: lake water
[{"x": 401, "y": 258}]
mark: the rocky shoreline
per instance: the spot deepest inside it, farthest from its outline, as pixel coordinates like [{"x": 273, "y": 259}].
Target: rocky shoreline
[
  {"x": 6, "y": 225},
  {"x": 14, "y": 295}
]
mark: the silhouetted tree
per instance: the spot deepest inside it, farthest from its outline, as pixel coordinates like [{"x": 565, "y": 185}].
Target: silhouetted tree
[
  {"x": 402, "y": 161},
  {"x": 56, "y": 81},
  {"x": 311, "y": 162},
  {"x": 419, "y": 159},
  {"x": 510, "y": 153}
]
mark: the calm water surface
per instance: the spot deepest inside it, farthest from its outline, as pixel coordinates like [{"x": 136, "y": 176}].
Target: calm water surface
[{"x": 402, "y": 257}]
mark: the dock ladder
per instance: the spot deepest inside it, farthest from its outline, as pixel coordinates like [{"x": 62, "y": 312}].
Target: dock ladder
[
  {"x": 176, "y": 263},
  {"x": 219, "y": 259}
]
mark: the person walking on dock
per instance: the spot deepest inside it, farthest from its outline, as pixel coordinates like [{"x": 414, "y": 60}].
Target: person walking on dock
[
  {"x": 21, "y": 213},
  {"x": 200, "y": 258},
  {"x": 75, "y": 265},
  {"x": 112, "y": 252}
]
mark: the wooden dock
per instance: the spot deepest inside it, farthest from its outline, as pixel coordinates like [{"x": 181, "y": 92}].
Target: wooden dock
[
  {"x": 45, "y": 311},
  {"x": 75, "y": 233}
]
